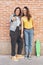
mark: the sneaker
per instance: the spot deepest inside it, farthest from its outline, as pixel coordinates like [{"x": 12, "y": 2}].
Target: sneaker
[
  {"x": 19, "y": 56},
  {"x": 14, "y": 58},
  {"x": 26, "y": 56},
  {"x": 30, "y": 55}
]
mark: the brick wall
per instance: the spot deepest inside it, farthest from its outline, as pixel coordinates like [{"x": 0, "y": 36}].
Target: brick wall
[{"x": 6, "y": 9}]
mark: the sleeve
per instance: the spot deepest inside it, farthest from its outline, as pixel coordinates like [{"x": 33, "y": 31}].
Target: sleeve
[{"x": 11, "y": 18}]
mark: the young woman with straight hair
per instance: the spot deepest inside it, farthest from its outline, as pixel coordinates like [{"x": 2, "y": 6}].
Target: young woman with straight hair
[{"x": 28, "y": 28}]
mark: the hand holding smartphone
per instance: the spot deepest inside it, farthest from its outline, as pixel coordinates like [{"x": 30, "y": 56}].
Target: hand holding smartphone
[{"x": 14, "y": 18}]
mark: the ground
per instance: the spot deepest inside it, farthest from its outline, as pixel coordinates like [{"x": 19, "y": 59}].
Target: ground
[{"x": 6, "y": 60}]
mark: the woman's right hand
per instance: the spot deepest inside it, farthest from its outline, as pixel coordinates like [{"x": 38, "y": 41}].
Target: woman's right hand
[{"x": 14, "y": 18}]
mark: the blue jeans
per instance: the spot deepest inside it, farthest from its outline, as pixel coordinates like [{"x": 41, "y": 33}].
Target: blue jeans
[{"x": 28, "y": 38}]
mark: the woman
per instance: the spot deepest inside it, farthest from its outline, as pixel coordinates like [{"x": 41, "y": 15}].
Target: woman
[
  {"x": 27, "y": 28},
  {"x": 15, "y": 33}
]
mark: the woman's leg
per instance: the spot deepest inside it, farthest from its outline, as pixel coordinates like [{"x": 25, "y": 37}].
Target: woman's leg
[
  {"x": 13, "y": 42},
  {"x": 31, "y": 40},
  {"x": 20, "y": 45},
  {"x": 26, "y": 42}
]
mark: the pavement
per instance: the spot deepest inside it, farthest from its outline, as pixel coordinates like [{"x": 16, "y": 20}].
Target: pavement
[{"x": 34, "y": 60}]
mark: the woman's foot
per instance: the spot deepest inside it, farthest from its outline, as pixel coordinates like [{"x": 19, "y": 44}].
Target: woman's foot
[
  {"x": 19, "y": 56},
  {"x": 29, "y": 55},
  {"x": 26, "y": 56},
  {"x": 14, "y": 58}
]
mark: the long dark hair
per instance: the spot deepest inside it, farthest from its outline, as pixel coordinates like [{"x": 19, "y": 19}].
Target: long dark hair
[
  {"x": 16, "y": 9},
  {"x": 27, "y": 13}
]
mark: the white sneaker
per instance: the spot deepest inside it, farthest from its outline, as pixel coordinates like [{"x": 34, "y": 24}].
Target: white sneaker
[
  {"x": 14, "y": 58},
  {"x": 19, "y": 56}
]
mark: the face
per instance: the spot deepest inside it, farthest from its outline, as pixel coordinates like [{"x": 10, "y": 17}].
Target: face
[
  {"x": 17, "y": 12},
  {"x": 25, "y": 11}
]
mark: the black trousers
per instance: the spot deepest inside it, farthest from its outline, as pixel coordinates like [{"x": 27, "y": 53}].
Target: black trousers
[{"x": 16, "y": 38}]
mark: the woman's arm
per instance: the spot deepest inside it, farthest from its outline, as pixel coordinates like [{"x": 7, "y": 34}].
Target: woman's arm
[
  {"x": 12, "y": 18},
  {"x": 21, "y": 28},
  {"x": 33, "y": 23}
]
